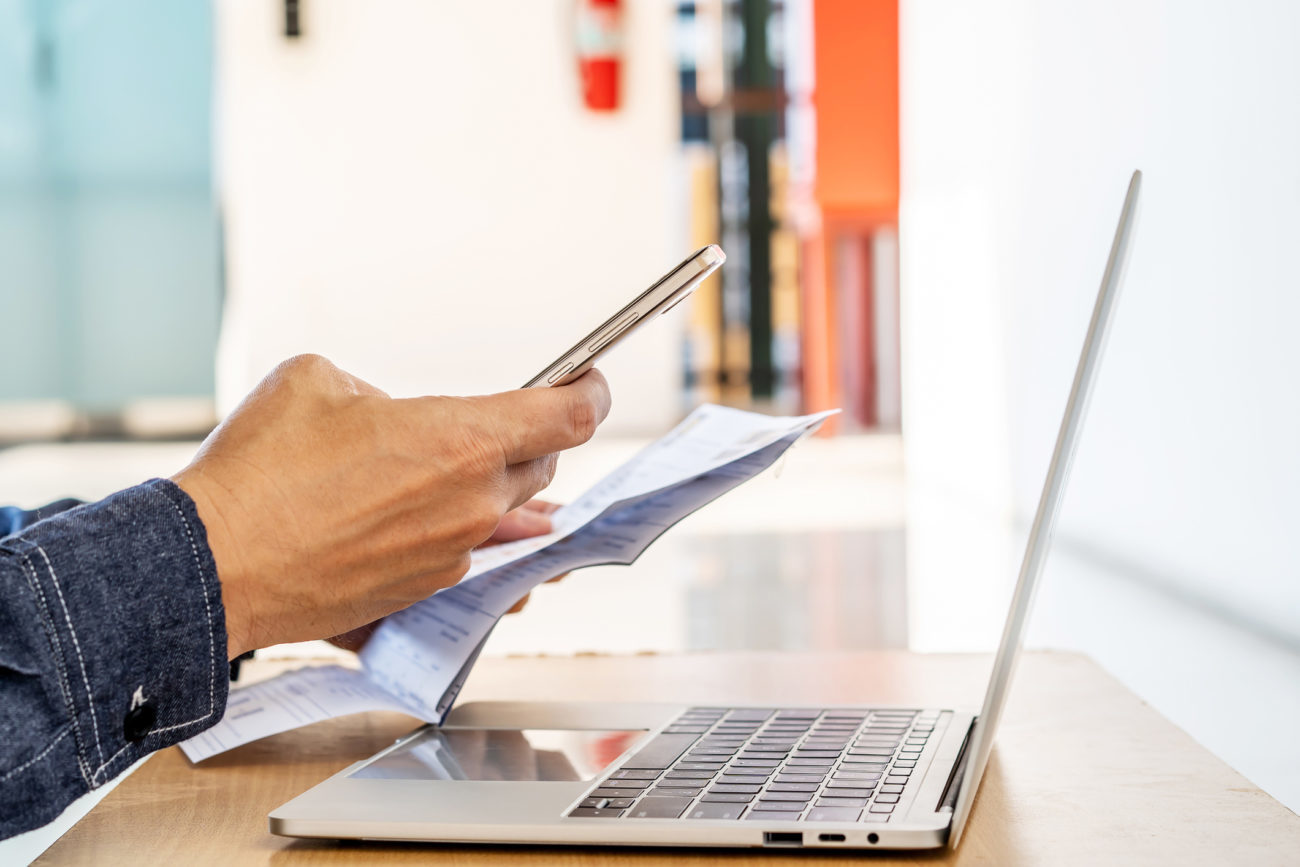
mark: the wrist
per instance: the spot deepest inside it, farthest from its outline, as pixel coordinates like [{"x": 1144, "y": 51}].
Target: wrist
[{"x": 228, "y": 558}]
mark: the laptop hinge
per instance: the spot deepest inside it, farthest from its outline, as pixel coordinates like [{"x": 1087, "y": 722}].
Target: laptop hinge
[{"x": 948, "y": 800}]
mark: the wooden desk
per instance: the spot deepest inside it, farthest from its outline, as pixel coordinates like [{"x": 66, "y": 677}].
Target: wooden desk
[{"x": 1084, "y": 772}]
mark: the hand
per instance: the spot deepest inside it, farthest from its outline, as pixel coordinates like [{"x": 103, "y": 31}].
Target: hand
[
  {"x": 530, "y": 519},
  {"x": 328, "y": 504}
]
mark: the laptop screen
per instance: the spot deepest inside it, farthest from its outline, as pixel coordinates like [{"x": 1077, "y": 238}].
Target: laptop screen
[{"x": 1049, "y": 507}]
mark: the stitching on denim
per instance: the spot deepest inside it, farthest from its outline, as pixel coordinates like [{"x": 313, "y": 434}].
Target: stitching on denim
[
  {"x": 76, "y": 645},
  {"x": 207, "y": 608},
  {"x": 53, "y": 635},
  {"x": 110, "y": 761},
  {"x": 36, "y": 758},
  {"x": 212, "y": 701}
]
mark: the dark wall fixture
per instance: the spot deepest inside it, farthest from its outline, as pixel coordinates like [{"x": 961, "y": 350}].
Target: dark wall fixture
[{"x": 292, "y": 19}]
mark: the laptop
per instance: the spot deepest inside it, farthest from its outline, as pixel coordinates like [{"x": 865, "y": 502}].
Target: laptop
[{"x": 854, "y": 777}]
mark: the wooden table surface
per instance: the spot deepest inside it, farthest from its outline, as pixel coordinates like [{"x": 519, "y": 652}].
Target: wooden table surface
[{"x": 1083, "y": 772}]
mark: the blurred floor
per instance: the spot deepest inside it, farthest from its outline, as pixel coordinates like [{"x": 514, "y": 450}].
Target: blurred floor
[{"x": 823, "y": 552}]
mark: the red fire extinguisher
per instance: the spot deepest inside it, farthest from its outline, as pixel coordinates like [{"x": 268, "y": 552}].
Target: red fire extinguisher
[{"x": 600, "y": 52}]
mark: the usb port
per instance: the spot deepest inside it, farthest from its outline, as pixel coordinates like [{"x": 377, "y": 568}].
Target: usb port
[{"x": 782, "y": 838}]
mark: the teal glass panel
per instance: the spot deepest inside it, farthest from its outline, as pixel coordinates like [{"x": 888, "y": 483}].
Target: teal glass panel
[{"x": 109, "y": 257}]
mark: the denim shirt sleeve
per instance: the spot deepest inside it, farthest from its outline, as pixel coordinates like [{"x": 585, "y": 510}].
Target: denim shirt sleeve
[{"x": 112, "y": 644}]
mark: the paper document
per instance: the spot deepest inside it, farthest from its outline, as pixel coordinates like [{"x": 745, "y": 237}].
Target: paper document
[{"x": 419, "y": 657}]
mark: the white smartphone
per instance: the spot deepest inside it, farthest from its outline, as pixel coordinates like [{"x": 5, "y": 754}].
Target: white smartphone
[{"x": 671, "y": 289}]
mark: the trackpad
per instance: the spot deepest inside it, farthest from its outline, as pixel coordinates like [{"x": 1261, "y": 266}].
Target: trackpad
[{"x": 541, "y": 755}]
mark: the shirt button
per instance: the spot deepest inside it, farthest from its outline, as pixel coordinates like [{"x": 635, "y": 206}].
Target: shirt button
[{"x": 139, "y": 721}]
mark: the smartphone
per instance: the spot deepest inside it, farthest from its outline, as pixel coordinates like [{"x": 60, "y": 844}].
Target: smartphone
[{"x": 663, "y": 296}]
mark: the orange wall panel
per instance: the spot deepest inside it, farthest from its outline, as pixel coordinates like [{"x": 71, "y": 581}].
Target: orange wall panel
[{"x": 856, "y": 98}]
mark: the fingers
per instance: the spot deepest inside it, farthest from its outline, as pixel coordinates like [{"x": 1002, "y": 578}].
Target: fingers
[
  {"x": 522, "y": 523},
  {"x": 532, "y": 422},
  {"x": 527, "y": 478},
  {"x": 355, "y": 639}
]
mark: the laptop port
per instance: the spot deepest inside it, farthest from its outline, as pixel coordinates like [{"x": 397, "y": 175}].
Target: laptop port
[
  {"x": 782, "y": 838},
  {"x": 831, "y": 838}
]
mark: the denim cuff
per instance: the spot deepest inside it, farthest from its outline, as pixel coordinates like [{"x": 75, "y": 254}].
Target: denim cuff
[{"x": 132, "y": 633}]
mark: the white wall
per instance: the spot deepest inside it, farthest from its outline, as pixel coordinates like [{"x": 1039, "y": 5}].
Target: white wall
[
  {"x": 1021, "y": 123},
  {"x": 414, "y": 190}
]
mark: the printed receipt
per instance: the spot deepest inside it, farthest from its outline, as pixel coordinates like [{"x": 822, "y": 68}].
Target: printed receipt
[{"x": 418, "y": 659}]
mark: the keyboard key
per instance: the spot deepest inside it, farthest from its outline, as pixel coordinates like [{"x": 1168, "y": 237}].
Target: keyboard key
[
  {"x": 594, "y": 813},
  {"x": 834, "y": 814},
  {"x": 612, "y": 803},
  {"x": 767, "y": 799},
  {"x": 770, "y": 816},
  {"x": 749, "y": 714},
  {"x": 781, "y": 806},
  {"x": 689, "y": 775},
  {"x": 792, "y": 787},
  {"x": 715, "y": 811},
  {"x": 726, "y": 798},
  {"x": 661, "y": 752},
  {"x": 624, "y": 774},
  {"x": 874, "y": 817},
  {"x": 733, "y": 788},
  {"x": 747, "y": 771},
  {"x": 881, "y": 808},
  {"x": 804, "y": 760},
  {"x": 661, "y": 792},
  {"x": 846, "y": 774},
  {"x": 756, "y": 763},
  {"x": 625, "y": 784},
  {"x": 659, "y": 808},
  {"x": 800, "y": 778},
  {"x": 896, "y": 780},
  {"x": 900, "y": 772},
  {"x": 804, "y": 752},
  {"x": 902, "y": 764},
  {"x": 608, "y": 793},
  {"x": 841, "y": 802},
  {"x": 698, "y": 766},
  {"x": 691, "y": 783},
  {"x": 681, "y": 730},
  {"x": 892, "y": 790},
  {"x": 864, "y": 792},
  {"x": 886, "y": 799}
]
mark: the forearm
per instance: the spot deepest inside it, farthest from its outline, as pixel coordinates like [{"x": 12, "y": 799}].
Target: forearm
[{"x": 112, "y": 645}]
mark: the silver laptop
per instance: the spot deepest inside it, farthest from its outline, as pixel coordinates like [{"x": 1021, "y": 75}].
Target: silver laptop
[{"x": 836, "y": 777}]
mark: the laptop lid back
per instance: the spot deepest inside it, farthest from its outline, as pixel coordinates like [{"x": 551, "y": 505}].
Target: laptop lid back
[{"x": 1049, "y": 507}]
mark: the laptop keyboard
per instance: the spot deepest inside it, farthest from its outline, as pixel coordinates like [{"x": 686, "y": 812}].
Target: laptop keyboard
[{"x": 774, "y": 765}]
